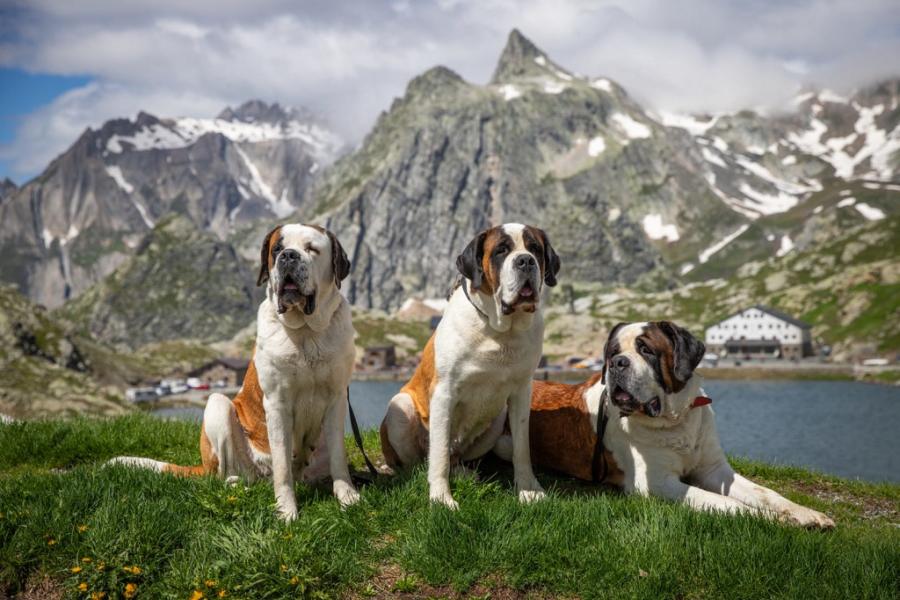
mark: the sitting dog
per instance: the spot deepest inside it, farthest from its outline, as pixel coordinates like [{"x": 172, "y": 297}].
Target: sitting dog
[
  {"x": 657, "y": 431},
  {"x": 479, "y": 361},
  {"x": 294, "y": 392}
]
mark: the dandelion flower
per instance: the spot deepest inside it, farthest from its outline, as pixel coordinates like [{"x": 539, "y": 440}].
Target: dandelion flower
[
  {"x": 82, "y": 528},
  {"x": 130, "y": 590},
  {"x": 51, "y": 542},
  {"x": 75, "y": 569},
  {"x": 98, "y": 595},
  {"x": 134, "y": 570},
  {"x": 210, "y": 583},
  {"x": 284, "y": 568},
  {"x": 222, "y": 593},
  {"x": 197, "y": 595},
  {"x": 82, "y": 586},
  {"x": 86, "y": 559},
  {"x": 295, "y": 580}
]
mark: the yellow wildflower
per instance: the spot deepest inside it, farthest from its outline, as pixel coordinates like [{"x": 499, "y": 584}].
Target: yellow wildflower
[
  {"x": 75, "y": 569},
  {"x": 284, "y": 568},
  {"x": 197, "y": 595},
  {"x": 85, "y": 560},
  {"x": 82, "y": 586},
  {"x": 51, "y": 542},
  {"x": 101, "y": 565},
  {"x": 82, "y": 528},
  {"x": 295, "y": 580},
  {"x": 210, "y": 583},
  {"x": 130, "y": 590},
  {"x": 222, "y": 593},
  {"x": 134, "y": 570},
  {"x": 232, "y": 499},
  {"x": 98, "y": 595}
]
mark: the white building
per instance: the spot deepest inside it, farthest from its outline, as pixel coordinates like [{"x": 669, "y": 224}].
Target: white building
[{"x": 760, "y": 330}]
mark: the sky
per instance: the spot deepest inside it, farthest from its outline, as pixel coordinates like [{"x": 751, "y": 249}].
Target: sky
[{"x": 66, "y": 65}]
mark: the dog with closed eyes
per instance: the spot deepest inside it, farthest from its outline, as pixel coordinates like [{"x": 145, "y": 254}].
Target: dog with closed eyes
[
  {"x": 644, "y": 424},
  {"x": 291, "y": 407},
  {"x": 478, "y": 364}
]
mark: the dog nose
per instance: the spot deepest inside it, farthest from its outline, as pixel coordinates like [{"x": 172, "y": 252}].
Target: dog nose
[
  {"x": 289, "y": 256},
  {"x": 525, "y": 261},
  {"x": 621, "y": 362}
]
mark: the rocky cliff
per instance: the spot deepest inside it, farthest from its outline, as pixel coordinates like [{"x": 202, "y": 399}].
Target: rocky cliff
[{"x": 87, "y": 212}]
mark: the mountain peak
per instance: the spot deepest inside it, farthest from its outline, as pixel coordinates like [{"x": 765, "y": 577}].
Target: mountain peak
[
  {"x": 520, "y": 58},
  {"x": 256, "y": 111}
]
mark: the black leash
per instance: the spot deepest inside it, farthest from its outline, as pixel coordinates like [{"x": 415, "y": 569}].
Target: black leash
[
  {"x": 600, "y": 471},
  {"x": 469, "y": 298},
  {"x": 358, "y": 437}
]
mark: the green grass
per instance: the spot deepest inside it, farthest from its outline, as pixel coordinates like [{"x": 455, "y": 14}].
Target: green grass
[{"x": 187, "y": 535}]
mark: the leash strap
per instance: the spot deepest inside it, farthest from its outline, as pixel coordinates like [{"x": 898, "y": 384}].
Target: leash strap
[
  {"x": 358, "y": 437},
  {"x": 599, "y": 465},
  {"x": 469, "y": 298}
]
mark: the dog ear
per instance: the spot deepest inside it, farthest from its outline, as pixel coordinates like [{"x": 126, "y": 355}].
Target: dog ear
[
  {"x": 469, "y": 262},
  {"x": 551, "y": 260},
  {"x": 688, "y": 351},
  {"x": 606, "y": 349},
  {"x": 264, "y": 258},
  {"x": 340, "y": 264}
]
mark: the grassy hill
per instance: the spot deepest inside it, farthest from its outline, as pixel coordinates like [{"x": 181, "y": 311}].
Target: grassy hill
[
  {"x": 87, "y": 529},
  {"x": 846, "y": 285}
]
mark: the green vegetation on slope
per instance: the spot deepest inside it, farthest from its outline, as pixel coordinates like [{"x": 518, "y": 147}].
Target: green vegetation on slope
[{"x": 92, "y": 526}]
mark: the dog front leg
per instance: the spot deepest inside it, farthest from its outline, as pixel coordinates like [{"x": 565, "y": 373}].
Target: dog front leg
[
  {"x": 280, "y": 424},
  {"x": 723, "y": 480},
  {"x": 667, "y": 485},
  {"x": 439, "y": 447},
  {"x": 337, "y": 452},
  {"x": 519, "y": 409}
]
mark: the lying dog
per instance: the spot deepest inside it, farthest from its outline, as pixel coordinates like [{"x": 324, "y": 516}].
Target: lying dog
[
  {"x": 659, "y": 433},
  {"x": 295, "y": 388},
  {"x": 480, "y": 360}
]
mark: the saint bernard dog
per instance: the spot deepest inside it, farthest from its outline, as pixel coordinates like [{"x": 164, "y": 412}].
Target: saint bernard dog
[
  {"x": 293, "y": 398},
  {"x": 658, "y": 431},
  {"x": 478, "y": 364}
]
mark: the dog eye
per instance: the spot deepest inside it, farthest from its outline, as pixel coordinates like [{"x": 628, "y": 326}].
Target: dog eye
[
  {"x": 312, "y": 250},
  {"x": 645, "y": 350},
  {"x": 501, "y": 250},
  {"x": 534, "y": 249}
]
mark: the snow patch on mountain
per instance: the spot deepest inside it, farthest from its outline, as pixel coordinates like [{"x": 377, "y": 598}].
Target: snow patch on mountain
[
  {"x": 706, "y": 254},
  {"x": 604, "y": 85},
  {"x": 509, "y": 92},
  {"x": 116, "y": 173},
  {"x": 596, "y": 146},
  {"x": 869, "y": 212},
  {"x": 656, "y": 230},
  {"x": 786, "y": 245},
  {"x": 280, "y": 206},
  {"x": 630, "y": 127}
]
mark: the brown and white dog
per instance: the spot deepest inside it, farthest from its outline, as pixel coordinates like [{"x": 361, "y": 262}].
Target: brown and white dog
[
  {"x": 660, "y": 437},
  {"x": 293, "y": 394},
  {"x": 479, "y": 362}
]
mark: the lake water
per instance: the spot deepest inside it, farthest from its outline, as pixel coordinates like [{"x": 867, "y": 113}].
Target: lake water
[{"x": 848, "y": 429}]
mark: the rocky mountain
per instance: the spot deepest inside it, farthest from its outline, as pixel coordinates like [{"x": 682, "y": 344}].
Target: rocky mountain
[
  {"x": 626, "y": 194},
  {"x": 47, "y": 370},
  {"x": 88, "y": 211},
  {"x": 7, "y": 187},
  {"x": 845, "y": 283},
  {"x": 181, "y": 282}
]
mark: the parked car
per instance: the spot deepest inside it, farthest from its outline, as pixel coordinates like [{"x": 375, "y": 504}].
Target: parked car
[
  {"x": 195, "y": 383},
  {"x": 710, "y": 359},
  {"x": 138, "y": 395},
  {"x": 179, "y": 388},
  {"x": 163, "y": 390},
  {"x": 875, "y": 362}
]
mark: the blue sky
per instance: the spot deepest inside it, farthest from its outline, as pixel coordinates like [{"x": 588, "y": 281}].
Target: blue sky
[
  {"x": 21, "y": 93},
  {"x": 66, "y": 65}
]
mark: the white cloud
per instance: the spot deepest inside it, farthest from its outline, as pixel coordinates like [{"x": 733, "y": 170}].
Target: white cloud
[{"x": 348, "y": 60}]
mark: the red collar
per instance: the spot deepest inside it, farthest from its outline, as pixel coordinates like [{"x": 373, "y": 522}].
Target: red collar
[{"x": 701, "y": 401}]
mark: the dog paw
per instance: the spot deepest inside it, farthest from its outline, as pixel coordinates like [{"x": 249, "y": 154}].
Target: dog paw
[
  {"x": 811, "y": 519},
  {"x": 347, "y": 496},
  {"x": 287, "y": 514},
  {"x": 529, "y": 496},
  {"x": 446, "y": 499}
]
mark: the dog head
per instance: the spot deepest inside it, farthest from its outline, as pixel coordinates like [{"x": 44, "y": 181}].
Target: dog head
[
  {"x": 647, "y": 365},
  {"x": 510, "y": 262},
  {"x": 299, "y": 262}
]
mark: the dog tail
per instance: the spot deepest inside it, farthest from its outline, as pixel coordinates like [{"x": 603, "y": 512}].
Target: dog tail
[{"x": 158, "y": 466}]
